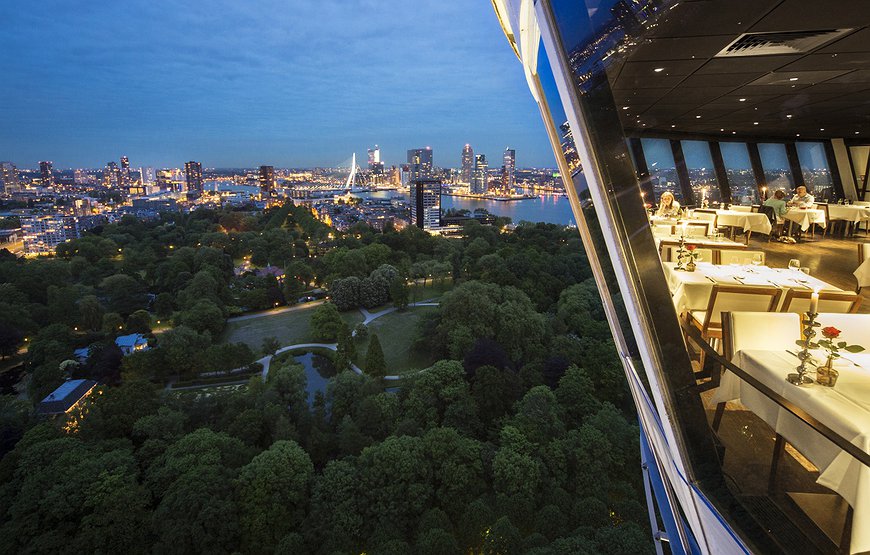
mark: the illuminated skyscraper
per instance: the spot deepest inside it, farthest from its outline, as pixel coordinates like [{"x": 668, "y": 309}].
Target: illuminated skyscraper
[
  {"x": 111, "y": 175},
  {"x": 467, "y": 164},
  {"x": 267, "y": 180},
  {"x": 426, "y": 203},
  {"x": 374, "y": 157},
  {"x": 508, "y": 168},
  {"x": 376, "y": 167},
  {"x": 126, "y": 180},
  {"x": 147, "y": 174},
  {"x": 479, "y": 178},
  {"x": 8, "y": 178},
  {"x": 419, "y": 164},
  {"x": 193, "y": 176},
  {"x": 46, "y": 178}
]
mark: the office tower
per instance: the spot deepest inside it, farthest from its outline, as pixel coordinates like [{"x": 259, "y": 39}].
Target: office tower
[
  {"x": 419, "y": 164},
  {"x": 267, "y": 180},
  {"x": 8, "y": 178},
  {"x": 147, "y": 174},
  {"x": 508, "y": 169},
  {"x": 46, "y": 179},
  {"x": 466, "y": 164},
  {"x": 395, "y": 177},
  {"x": 193, "y": 176},
  {"x": 125, "y": 178},
  {"x": 479, "y": 177},
  {"x": 698, "y": 445},
  {"x": 374, "y": 157},
  {"x": 111, "y": 175},
  {"x": 426, "y": 203},
  {"x": 164, "y": 180}
]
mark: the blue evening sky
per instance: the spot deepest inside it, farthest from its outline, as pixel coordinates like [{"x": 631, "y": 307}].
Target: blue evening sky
[{"x": 244, "y": 83}]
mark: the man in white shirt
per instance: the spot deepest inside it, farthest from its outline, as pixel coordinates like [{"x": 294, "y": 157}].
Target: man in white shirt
[{"x": 801, "y": 198}]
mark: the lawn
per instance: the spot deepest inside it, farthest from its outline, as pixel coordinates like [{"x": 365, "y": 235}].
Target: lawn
[
  {"x": 431, "y": 291},
  {"x": 396, "y": 332},
  {"x": 289, "y": 327}
]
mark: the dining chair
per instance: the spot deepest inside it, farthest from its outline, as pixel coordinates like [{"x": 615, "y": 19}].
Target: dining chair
[
  {"x": 730, "y": 298},
  {"x": 823, "y": 206},
  {"x": 840, "y": 302},
  {"x": 741, "y": 257},
  {"x": 697, "y": 229}
]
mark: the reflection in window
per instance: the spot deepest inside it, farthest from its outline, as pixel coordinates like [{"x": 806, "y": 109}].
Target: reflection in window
[
  {"x": 777, "y": 173},
  {"x": 738, "y": 169},
  {"x": 702, "y": 176},
  {"x": 814, "y": 167},
  {"x": 662, "y": 169}
]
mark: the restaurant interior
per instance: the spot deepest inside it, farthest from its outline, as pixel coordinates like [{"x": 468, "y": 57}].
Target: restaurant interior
[{"x": 748, "y": 125}]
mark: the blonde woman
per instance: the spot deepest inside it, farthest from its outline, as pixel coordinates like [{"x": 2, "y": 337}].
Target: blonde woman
[{"x": 668, "y": 206}]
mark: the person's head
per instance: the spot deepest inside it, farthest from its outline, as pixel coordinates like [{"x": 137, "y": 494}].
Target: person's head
[
  {"x": 801, "y": 190},
  {"x": 667, "y": 199},
  {"x": 780, "y": 194}
]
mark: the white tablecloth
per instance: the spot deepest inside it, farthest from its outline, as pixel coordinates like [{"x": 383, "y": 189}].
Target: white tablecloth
[
  {"x": 747, "y": 221},
  {"x": 844, "y": 408},
  {"x": 806, "y": 217},
  {"x": 692, "y": 290},
  {"x": 862, "y": 274},
  {"x": 849, "y": 212}
]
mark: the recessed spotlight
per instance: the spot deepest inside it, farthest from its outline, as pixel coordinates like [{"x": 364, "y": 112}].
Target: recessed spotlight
[
  {"x": 821, "y": 129},
  {"x": 625, "y": 107},
  {"x": 793, "y": 78},
  {"x": 856, "y": 132},
  {"x": 672, "y": 125},
  {"x": 698, "y": 117},
  {"x": 788, "y": 116},
  {"x": 734, "y": 132},
  {"x": 721, "y": 130},
  {"x": 754, "y": 123},
  {"x": 742, "y": 100},
  {"x": 659, "y": 69},
  {"x": 797, "y": 134}
]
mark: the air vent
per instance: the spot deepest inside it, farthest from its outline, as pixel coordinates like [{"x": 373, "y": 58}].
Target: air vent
[{"x": 786, "y": 42}]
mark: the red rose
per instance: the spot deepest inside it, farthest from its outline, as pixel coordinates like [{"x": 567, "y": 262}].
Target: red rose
[
  {"x": 831, "y": 332},
  {"x": 691, "y": 247}
]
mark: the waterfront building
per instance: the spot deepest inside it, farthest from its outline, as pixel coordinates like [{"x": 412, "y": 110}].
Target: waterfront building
[
  {"x": 193, "y": 176},
  {"x": 267, "y": 180},
  {"x": 426, "y": 203},
  {"x": 466, "y": 165},
  {"x": 8, "y": 178},
  {"x": 508, "y": 169},
  {"x": 46, "y": 178},
  {"x": 420, "y": 164},
  {"x": 479, "y": 177}
]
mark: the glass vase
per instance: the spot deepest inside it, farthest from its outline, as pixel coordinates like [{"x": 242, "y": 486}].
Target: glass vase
[{"x": 826, "y": 374}]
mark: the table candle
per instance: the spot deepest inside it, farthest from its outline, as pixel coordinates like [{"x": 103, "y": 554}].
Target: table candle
[{"x": 814, "y": 301}]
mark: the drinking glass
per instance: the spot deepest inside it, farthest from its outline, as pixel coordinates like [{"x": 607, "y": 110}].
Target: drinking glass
[
  {"x": 757, "y": 259},
  {"x": 805, "y": 270},
  {"x": 794, "y": 264}
]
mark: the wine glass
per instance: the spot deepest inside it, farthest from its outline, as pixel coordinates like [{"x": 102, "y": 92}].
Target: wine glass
[
  {"x": 794, "y": 264},
  {"x": 757, "y": 259}
]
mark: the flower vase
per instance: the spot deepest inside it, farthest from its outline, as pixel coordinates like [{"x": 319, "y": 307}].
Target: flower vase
[
  {"x": 690, "y": 266},
  {"x": 826, "y": 375}
]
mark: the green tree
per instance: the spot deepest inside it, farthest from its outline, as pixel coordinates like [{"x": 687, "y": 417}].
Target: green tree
[
  {"x": 124, "y": 293},
  {"x": 375, "y": 364},
  {"x": 113, "y": 323},
  {"x": 326, "y": 322},
  {"x": 270, "y": 345},
  {"x": 203, "y": 316},
  {"x": 139, "y": 322},
  {"x": 399, "y": 292},
  {"x": 91, "y": 312}
]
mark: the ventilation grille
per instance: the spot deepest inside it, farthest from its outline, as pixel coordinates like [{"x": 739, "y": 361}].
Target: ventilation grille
[{"x": 787, "y": 42}]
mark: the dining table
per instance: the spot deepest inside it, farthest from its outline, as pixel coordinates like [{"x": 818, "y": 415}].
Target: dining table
[
  {"x": 748, "y": 221},
  {"x": 849, "y": 212},
  {"x": 692, "y": 290},
  {"x": 805, "y": 217},
  {"x": 844, "y": 408}
]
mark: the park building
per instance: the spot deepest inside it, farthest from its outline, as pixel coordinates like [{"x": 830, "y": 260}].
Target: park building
[{"x": 665, "y": 112}]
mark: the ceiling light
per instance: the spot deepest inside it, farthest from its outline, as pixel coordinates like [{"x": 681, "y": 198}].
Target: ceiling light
[
  {"x": 821, "y": 129},
  {"x": 792, "y": 78},
  {"x": 856, "y": 132},
  {"x": 721, "y": 130},
  {"x": 698, "y": 117},
  {"x": 742, "y": 100},
  {"x": 754, "y": 123},
  {"x": 734, "y": 132},
  {"x": 659, "y": 69},
  {"x": 797, "y": 134},
  {"x": 672, "y": 125},
  {"x": 625, "y": 107},
  {"x": 788, "y": 116}
]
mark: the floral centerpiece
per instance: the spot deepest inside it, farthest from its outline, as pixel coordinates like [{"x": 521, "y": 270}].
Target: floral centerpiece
[
  {"x": 692, "y": 256},
  {"x": 826, "y": 374}
]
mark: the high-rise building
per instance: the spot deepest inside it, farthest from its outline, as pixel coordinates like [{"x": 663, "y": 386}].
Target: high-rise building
[
  {"x": 193, "y": 176},
  {"x": 46, "y": 179},
  {"x": 267, "y": 180},
  {"x": 111, "y": 175},
  {"x": 147, "y": 174},
  {"x": 426, "y": 203},
  {"x": 479, "y": 178},
  {"x": 125, "y": 178},
  {"x": 164, "y": 180},
  {"x": 419, "y": 164},
  {"x": 508, "y": 169},
  {"x": 374, "y": 157},
  {"x": 42, "y": 234},
  {"x": 8, "y": 178},
  {"x": 466, "y": 165}
]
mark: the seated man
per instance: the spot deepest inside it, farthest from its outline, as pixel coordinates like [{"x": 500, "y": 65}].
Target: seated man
[{"x": 801, "y": 198}]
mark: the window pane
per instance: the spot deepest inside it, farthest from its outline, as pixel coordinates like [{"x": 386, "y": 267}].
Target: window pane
[
  {"x": 814, "y": 167},
  {"x": 702, "y": 176},
  {"x": 662, "y": 169},
  {"x": 776, "y": 169},
  {"x": 738, "y": 168}
]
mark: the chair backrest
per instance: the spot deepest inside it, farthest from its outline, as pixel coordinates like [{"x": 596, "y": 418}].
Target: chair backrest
[
  {"x": 741, "y": 256},
  {"x": 839, "y": 302},
  {"x": 756, "y": 208},
  {"x": 704, "y": 214},
  {"x": 769, "y": 212},
  {"x": 759, "y": 330},
  {"x": 663, "y": 229},
  {"x": 854, "y": 328},
  {"x": 824, "y": 207},
  {"x": 741, "y": 208},
  {"x": 739, "y": 298},
  {"x": 697, "y": 229},
  {"x": 863, "y": 252}
]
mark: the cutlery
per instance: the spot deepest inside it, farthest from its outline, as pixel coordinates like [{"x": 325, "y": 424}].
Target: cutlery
[{"x": 711, "y": 279}]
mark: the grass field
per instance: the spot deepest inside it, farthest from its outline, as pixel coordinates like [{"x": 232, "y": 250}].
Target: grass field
[
  {"x": 396, "y": 332},
  {"x": 289, "y": 328},
  {"x": 431, "y": 291}
]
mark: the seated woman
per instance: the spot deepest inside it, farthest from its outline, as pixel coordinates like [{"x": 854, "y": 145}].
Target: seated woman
[
  {"x": 777, "y": 202},
  {"x": 668, "y": 206}
]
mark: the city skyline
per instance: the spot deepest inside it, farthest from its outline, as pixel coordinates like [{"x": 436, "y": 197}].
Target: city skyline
[{"x": 247, "y": 87}]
